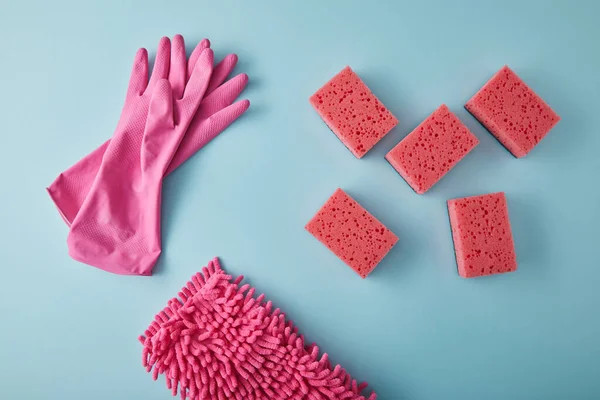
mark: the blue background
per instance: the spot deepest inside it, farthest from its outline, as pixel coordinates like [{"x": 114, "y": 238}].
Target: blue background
[{"x": 413, "y": 329}]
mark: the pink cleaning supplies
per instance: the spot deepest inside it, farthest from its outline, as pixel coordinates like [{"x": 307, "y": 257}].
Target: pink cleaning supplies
[
  {"x": 432, "y": 149},
  {"x": 512, "y": 112},
  {"x": 111, "y": 199},
  {"x": 216, "y": 112},
  {"x": 117, "y": 228},
  {"x": 351, "y": 233},
  {"x": 482, "y": 236},
  {"x": 218, "y": 341},
  {"x": 352, "y": 112}
]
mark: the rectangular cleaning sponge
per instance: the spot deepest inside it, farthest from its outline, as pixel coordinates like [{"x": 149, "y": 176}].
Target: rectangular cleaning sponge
[
  {"x": 352, "y": 112},
  {"x": 431, "y": 150},
  {"x": 483, "y": 240},
  {"x": 512, "y": 112},
  {"x": 351, "y": 233}
]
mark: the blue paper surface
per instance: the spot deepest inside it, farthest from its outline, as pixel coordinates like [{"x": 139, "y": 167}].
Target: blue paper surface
[{"x": 413, "y": 329}]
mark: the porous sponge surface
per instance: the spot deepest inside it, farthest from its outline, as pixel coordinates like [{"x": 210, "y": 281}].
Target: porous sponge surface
[
  {"x": 512, "y": 112},
  {"x": 432, "y": 149},
  {"x": 351, "y": 233},
  {"x": 483, "y": 240},
  {"x": 352, "y": 112}
]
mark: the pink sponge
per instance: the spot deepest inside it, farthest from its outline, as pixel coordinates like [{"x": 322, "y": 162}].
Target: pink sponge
[
  {"x": 512, "y": 112},
  {"x": 483, "y": 241},
  {"x": 431, "y": 150},
  {"x": 349, "y": 231},
  {"x": 218, "y": 341},
  {"x": 352, "y": 112}
]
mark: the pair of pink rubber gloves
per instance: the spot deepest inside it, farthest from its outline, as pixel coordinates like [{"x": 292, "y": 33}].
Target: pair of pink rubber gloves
[{"x": 111, "y": 199}]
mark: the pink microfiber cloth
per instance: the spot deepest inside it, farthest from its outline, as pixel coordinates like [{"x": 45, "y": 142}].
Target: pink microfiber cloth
[{"x": 217, "y": 341}]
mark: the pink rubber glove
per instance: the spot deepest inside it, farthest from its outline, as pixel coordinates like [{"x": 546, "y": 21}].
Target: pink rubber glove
[
  {"x": 118, "y": 226},
  {"x": 216, "y": 112}
]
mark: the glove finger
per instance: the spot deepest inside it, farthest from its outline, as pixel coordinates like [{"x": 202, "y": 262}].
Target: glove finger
[
  {"x": 203, "y": 131},
  {"x": 221, "y": 72},
  {"x": 157, "y": 147},
  {"x": 161, "y": 63},
  {"x": 219, "y": 121},
  {"x": 178, "y": 66},
  {"x": 160, "y": 111},
  {"x": 196, "y": 87},
  {"x": 139, "y": 74},
  {"x": 204, "y": 44},
  {"x": 222, "y": 97}
]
